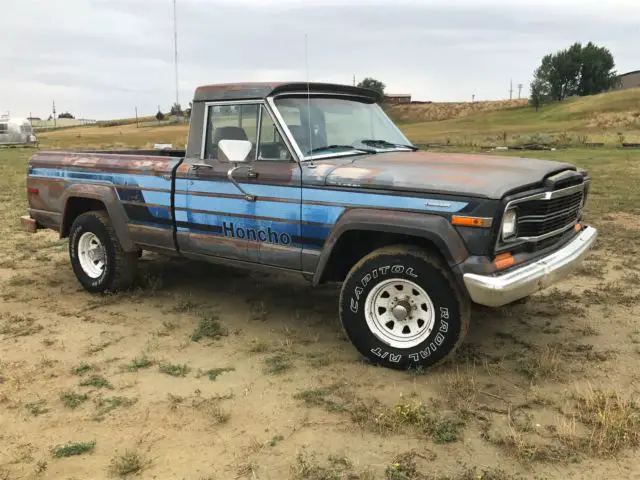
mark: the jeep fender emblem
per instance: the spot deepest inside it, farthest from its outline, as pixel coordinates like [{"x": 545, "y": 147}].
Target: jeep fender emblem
[{"x": 437, "y": 203}]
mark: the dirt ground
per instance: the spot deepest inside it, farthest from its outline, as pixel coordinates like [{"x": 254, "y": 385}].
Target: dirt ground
[{"x": 207, "y": 372}]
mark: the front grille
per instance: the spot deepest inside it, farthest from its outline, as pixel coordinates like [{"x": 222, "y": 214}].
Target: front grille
[{"x": 542, "y": 217}]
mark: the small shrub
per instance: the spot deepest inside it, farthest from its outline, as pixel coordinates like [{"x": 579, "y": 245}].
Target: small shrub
[
  {"x": 73, "y": 400},
  {"x": 96, "y": 381},
  {"x": 37, "y": 408},
  {"x": 130, "y": 462},
  {"x": 72, "y": 449},
  {"x": 214, "y": 373},
  {"x": 175, "y": 370},
  {"x": 209, "y": 327},
  {"x": 276, "y": 440},
  {"x": 277, "y": 364},
  {"x": 106, "y": 404},
  {"x": 138, "y": 363},
  {"x": 82, "y": 369}
]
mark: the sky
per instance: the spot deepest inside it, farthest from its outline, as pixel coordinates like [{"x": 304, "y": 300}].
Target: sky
[{"x": 101, "y": 59}]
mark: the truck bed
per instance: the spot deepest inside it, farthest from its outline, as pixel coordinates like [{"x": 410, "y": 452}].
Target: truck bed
[{"x": 134, "y": 186}]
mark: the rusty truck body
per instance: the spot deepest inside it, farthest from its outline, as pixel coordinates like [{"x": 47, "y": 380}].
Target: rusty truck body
[{"x": 316, "y": 179}]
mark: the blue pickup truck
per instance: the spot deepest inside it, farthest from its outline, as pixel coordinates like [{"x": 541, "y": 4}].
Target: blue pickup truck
[{"x": 316, "y": 179}]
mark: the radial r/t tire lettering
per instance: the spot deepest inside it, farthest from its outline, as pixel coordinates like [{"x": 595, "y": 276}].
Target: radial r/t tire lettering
[{"x": 401, "y": 308}]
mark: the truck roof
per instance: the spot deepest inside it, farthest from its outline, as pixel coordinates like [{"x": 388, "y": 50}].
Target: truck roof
[{"x": 250, "y": 91}]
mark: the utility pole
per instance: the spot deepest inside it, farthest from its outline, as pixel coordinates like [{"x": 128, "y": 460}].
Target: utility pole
[
  {"x": 175, "y": 48},
  {"x": 354, "y": 80},
  {"x": 137, "y": 124},
  {"x": 473, "y": 97},
  {"x": 511, "y": 89},
  {"x": 519, "y": 90},
  {"x": 54, "y": 113}
]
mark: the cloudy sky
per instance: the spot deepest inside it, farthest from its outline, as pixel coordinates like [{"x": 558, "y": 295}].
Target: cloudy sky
[{"x": 101, "y": 58}]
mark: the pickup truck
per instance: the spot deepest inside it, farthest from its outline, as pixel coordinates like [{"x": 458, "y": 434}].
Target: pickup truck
[{"x": 316, "y": 179}]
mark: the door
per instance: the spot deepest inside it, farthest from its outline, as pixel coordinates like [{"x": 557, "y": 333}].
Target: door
[{"x": 218, "y": 217}]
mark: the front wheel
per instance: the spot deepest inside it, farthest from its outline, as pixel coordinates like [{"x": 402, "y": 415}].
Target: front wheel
[{"x": 401, "y": 308}]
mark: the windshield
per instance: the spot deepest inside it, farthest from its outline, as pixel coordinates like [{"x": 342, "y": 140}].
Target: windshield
[{"x": 331, "y": 125}]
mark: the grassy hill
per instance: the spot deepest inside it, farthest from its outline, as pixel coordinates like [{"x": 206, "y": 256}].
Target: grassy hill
[
  {"x": 435, "y": 111},
  {"x": 608, "y": 117},
  {"x": 586, "y": 119}
]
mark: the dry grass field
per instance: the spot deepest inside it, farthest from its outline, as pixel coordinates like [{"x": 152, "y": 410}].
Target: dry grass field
[{"x": 207, "y": 372}]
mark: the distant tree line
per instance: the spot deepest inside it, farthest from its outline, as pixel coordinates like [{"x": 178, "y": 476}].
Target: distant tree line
[
  {"x": 175, "y": 111},
  {"x": 577, "y": 70}
]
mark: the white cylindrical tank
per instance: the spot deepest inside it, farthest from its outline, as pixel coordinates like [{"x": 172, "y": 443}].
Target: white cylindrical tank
[{"x": 16, "y": 131}]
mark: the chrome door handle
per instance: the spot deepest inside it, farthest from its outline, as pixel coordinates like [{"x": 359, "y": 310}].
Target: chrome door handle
[{"x": 252, "y": 174}]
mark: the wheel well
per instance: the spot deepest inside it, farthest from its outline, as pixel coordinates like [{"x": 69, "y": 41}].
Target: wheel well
[
  {"x": 75, "y": 207},
  {"x": 353, "y": 245}
]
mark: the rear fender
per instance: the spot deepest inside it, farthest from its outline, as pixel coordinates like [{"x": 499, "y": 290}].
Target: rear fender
[{"x": 105, "y": 194}]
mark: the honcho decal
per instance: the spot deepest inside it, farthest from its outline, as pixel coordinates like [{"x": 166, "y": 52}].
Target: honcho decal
[{"x": 268, "y": 235}]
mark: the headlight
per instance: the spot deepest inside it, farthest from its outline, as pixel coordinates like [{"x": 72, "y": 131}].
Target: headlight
[{"x": 509, "y": 224}]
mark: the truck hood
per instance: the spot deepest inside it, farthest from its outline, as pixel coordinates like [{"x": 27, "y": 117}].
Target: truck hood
[{"x": 482, "y": 176}]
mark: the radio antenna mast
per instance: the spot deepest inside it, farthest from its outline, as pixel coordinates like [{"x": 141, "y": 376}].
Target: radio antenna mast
[
  {"x": 306, "y": 65},
  {"x": 175, "y": 49}
]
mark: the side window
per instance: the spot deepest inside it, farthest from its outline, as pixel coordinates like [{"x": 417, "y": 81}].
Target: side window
[
  {"x": 231, "y": 122},
  {"x": 272, "y": 146}
]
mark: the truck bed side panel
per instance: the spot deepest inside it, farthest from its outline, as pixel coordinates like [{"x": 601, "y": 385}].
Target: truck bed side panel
[{"x": 139, "y": 190}]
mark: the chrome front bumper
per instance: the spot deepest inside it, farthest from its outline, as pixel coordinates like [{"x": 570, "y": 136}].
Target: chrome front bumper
[{"x": 519, "y": 282}]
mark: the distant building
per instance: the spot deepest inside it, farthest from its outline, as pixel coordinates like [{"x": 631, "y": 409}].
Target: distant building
[
  {"x": 629, "y": 80},
  {"x": 398, "y": 98}
]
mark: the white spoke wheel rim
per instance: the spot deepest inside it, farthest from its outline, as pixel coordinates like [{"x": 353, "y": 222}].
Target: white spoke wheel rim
[
  {"x": 92, "y": 255},
  {"x": 399, "y": 313}
]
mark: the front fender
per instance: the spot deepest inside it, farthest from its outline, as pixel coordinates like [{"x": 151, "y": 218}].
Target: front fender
[
  {"x": 437, "y": 229},
  {"x": 106, "y": 194}
]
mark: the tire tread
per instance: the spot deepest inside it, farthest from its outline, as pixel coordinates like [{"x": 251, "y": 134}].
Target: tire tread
[
  {"x": 126, "y": 263},
  {"x": 436, "y": 262}
]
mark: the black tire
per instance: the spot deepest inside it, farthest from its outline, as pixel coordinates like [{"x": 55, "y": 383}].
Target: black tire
[
  {"x": 451, "y": 307},
  {"x": 120, "y": 266}
]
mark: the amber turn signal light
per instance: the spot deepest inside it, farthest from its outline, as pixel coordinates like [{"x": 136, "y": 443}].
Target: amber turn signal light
[
  {"x": 481, "y": 222},
  {"x": 504, "y": 260}
]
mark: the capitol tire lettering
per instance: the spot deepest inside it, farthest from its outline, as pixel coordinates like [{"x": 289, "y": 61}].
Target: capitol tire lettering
[{"x": 446, "y": 312}]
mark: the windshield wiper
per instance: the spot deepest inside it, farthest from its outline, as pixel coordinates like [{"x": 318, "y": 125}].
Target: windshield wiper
[
  {"x": 384, "y": 143},
  {"x": 350, "y": 147}
]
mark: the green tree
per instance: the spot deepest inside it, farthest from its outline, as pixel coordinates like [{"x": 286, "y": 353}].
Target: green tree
[
  {"x": 597, "y": 74},
  {"x": 159, "y": 116},
  {"x": 65, "y": 115},
  {"x": 176, "y": 109},
  {"x": 539, "y": 94},
  {"x": 576, "y": 70},
  {"x": 373, "y": 84}
]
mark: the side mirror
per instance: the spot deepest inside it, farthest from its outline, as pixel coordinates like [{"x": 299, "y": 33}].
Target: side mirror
[{"x": 234, "y": 151}]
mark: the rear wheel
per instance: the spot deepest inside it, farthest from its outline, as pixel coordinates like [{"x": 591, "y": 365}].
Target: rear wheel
[
  {"x": 96, "y": 255},
  {"x": 400, "y": 307}
]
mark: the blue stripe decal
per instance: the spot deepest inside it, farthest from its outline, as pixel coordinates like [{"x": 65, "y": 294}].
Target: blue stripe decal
[
  {"x": 336, "y": 197},
  {"x": 376, "y": 200},
  {"x": 280, "y": 210},
  {"x": 122, "y": 179}
]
